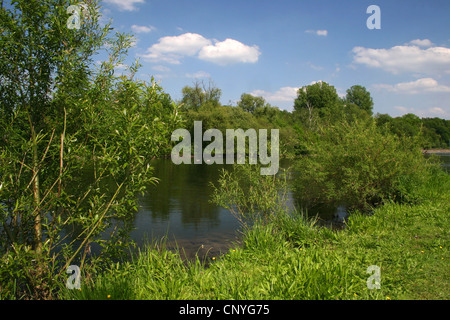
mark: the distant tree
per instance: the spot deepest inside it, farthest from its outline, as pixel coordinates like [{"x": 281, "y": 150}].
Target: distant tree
[
  {"x": 199, "y": 94},
  {"x": 250, "y": 103},
  {"x": 439, "y": 131},
  {"x": 408, "y": 125},
  {"x": 359, "y": 96},
  {"x": 319, "y": 99},
  {"x": 383, "y": 119}
]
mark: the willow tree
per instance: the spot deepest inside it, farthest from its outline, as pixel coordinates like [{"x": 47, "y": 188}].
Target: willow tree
[{"x": 61, "y": 116}]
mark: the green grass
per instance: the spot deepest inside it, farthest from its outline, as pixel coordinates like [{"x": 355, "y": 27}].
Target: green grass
[{"x": 291, "y": 259}]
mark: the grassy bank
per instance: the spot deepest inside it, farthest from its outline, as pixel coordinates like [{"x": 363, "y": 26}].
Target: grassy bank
[{"x": 294, "y": 260}]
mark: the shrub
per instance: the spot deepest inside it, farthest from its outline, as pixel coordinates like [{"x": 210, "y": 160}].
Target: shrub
[
  {"x": 249, "y": 196},
  {"x": 359, "y": 166}
]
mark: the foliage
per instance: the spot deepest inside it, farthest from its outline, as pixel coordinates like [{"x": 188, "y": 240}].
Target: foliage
[
  {"x": 438, "y": 132},
  {"x": 251, "y": 103},
  {"x": 200, "y": 94},
  {"x": 358, "y": 95},
  {"x": 62, "y": 121},
  {"x": 317, "y": 100},
  {"x": 356, "y": 165},
  {"x": 251, "y": 113},
  {"x": 434, "y": 132},
  {"x": 251, "y": 197}
]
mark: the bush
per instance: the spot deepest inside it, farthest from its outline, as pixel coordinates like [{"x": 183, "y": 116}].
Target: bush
[
  {"x": 250, "y": 196},
  {"x": 359, "y": 166}
]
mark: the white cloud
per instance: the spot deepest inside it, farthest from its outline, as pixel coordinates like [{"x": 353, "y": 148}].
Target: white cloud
[
  {"x": 160, "y": 68},
  {"x": 314, "y": 82},
  {"x": 399, "y": 59},
  {"x": 313, "y": 66},
  {"x": 198, "y": 74},
  {"x": 424, "y": 85},
  {"x": 421, "y": 43},
  {"x": 403, "y": 109},
  {"x": 125, "y": 5},
  {"x": 172, "y": 49},
  {"x": 323, "y": 33},
  {"x": 428, "y": 112},
  {"x": 229, "y": 52},
  {"x": 142, "y": 29},
  {"x": 439, "y": 112},
  {"x": 284, "y": 94}
]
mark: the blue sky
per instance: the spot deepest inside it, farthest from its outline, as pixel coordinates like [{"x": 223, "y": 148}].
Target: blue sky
[{"x": 272, "y": 48}]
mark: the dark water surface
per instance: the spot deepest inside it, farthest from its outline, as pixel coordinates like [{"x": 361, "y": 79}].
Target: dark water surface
[{"x": 179, "y": 208}]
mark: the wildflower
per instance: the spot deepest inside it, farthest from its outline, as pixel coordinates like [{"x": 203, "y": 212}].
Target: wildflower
[
  {"x": 214, "y": 258},
  {"x": 422, "y": 251},
  {"x": 108, "y": 296},
  {"x": 388, "y": 298}
]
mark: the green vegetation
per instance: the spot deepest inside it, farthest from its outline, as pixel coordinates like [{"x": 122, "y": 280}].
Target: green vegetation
[
  {"x": 357, "y": 165},
  {"x": 59, "y": 117},
  {"x": 433, "y": 132},
  {"x": 62, "y": 116},
  {"x": 291, "y": 258}
]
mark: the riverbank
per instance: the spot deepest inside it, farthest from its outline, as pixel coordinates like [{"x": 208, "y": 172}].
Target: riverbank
[{"x": 294, "y": 260}]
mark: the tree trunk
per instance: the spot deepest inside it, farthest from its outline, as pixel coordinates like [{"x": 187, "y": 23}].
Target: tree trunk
[{"x": 37, "y": 197}]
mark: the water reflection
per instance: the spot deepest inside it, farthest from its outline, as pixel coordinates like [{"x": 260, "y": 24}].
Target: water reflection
[{"x": 179, "y": 207}]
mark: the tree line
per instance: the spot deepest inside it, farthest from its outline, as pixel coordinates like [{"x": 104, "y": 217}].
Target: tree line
[{"x": 315, "y": 103}]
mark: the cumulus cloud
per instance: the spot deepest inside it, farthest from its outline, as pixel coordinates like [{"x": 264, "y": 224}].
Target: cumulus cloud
[
  {"x": 323, "y": 33},
  {"x": 421, "y": 43},
  {"x": 400, "y": 59},
  {"x": 125, "y": 5},
  {"x": 142, "y": 29},
  {"x": 313, "y": 66},
  {"x": 424, "y": 112},
  {"x": 284, "y": 94},
  {"x": 439, "y": 112},
  {"x": 229, "y": 52},
  {"x": 198, "y": 75},
  {"x": 172, "y": 49},
  {"x": 424, "y": 85},
  {"x": 160, "y": 68}
]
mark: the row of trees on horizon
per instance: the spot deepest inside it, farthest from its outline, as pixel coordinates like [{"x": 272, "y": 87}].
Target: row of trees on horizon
[{"x": 315, "y": 103}]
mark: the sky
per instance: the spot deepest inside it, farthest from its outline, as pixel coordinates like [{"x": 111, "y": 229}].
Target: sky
[{"x": 272, "y": 48}]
